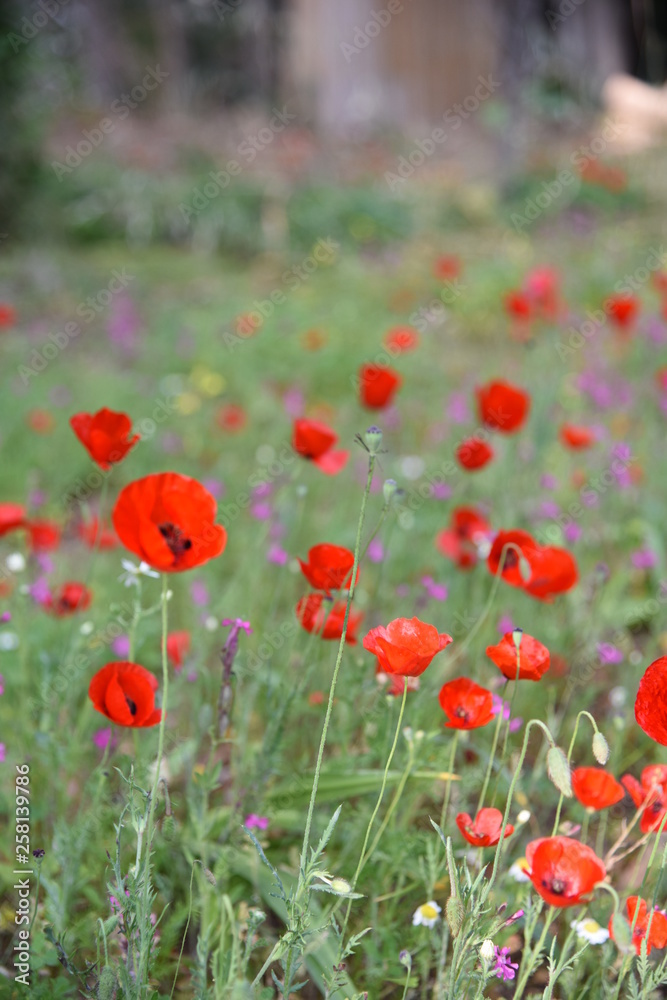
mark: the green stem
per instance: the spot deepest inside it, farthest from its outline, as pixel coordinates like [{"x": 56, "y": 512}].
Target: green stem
[
  {"x": 142, "y": 977},
  {"x": 363, "y": 857},
  {"x": 534, "y": 953},
  {"x": 448, "y": 790},
  {"x": 487, "y": 607},
  {"x": 489, "y": 768}
]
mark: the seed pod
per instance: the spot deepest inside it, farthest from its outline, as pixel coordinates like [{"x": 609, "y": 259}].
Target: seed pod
[
  {"x": 600, "y": 748},
  {"x": 107, "y": 985},
  {"x": 455, "y": 913},
  {"x": 558, "y": 771}
]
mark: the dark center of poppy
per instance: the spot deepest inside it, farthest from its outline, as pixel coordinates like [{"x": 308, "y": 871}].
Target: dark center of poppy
[
  {"x": 461, "y": 713},
  {"x": 131, "y": 705},
  {"x": 557, "y": 885},
  {"x": 511, "y": 559},
  {"x": 178, "y": 542}
]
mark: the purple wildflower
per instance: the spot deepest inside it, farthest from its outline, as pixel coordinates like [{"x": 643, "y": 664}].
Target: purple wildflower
[
  {"x": 504, "y": 968},
  {"x": 253, "y": 821}
]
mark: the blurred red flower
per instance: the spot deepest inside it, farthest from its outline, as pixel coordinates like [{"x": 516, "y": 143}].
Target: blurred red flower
[
  {"x": 405, "y": 646},
  {"x": 167, "y": 520},
  {"x": 466, "y": 704},
  {"x": 7, "y": 315},
  {"x": 447, "y": 266},
  {"x": 329, "y": 567},
  {"x": 517, "y": 305},
  {"x": 651, "y": 701},
  {"x": 88, "y": 531},
  {"x": 543, "y": 571},
  {"x": 577, "y": 437},
  {"x": 317, "y": 614},
  {"x": 484, "y": 831},
  {"x": 377, "y": 386},
  {"x": 12, "y": 516},
  {"x": 651, "y": 793},
  {"x": 104, "y": 435},
  {"x": 401, "y": 339},
  {"x": 532, "y": 657},
  {"x": 314, "y": 440},
  {"x": 622, "y": 310},
  {"x": 68, "y": 599},
  {"x": 467, "y": 529},
  {"x": 563, "y": 871},
  {"x": 656, "y": 937},
  {"x": 595, "y": 788},
  {"x": 178, "y": 647},
  {"x": 125, "y": 693},
  {"x": 231, "y": 417},
  {"x": 502, "y": 407},
  {"x": 44, "y": 536},
  {"x": 473, "y": 454}
]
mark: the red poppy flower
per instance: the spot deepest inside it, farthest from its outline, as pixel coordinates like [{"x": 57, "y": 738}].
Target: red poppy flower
[
  {"x": 473, "y": 454},
  {"x": 125, "y": 693},
  {"x": 564, "y": 871},
  {"x": 167, "y": 520},
  {"x": 468, "y": 528},
  {"x": 68, "y": 598},
  {"x": 44, "y": 535},
  {"x": 447, "y": 266},
  {"x": 466, "y": 704},
  {"x": 231, "y": 417},
  {"x": 576, "y": 437},
  {"x": 377, "y": 386},
  {"x": 317, "y": 614},
  {"x": 405, "y": 646},
  {"x": 656, "y": 937},
  {"x": 12, "y": 516},
  {"x": 595, "y": 788},
  {"x": 329, "y": 567},
  {"x": 314, "y": 440},
  {"x": 7, "y": 316},
  {"x": 401, "y": 339},
  {"x": 651, "y": 793},
  {"x": 541, "y": 288},
  {"x": 502, "y": 407},
  {"x": 484, "y": 831},
  {"x": 651, "y": 701},
  {"x": 623, "y": 310},
  {"x": 104, "y": 435},
  {"x": 41, "y": 421},
  {"x": 178, "y": 647},
  {"x": 532, "y": 657},
  {"x": 517, "y": 305},
  {"x": 88, "y": 532},
  {"x": 541, "y": 570}
]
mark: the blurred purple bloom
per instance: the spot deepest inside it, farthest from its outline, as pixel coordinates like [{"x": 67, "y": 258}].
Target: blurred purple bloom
[
  {"x": 261, "y": 511},
  {"x": 215, "y": 487},
  {"x": 6, "y": 616},
  {"x": 376, "y": 551},
  {"x": 441, "y": 491},
  {"x": 44, "y": 562},
  {"x": 504, "y": 706},
  {"x": 548, "y": 482},
  {"x": 102, "y": 737},
  {"x": 548, "y": 509},
  {"x": 402, "y": 590},
  {"x": 2, "y": 753},
  {"x": 505, "y": 624},
  {"x": 609, "y": 653},
  {"x": 293, "y": 402},
  {"x": 199, "y": 593},
  {"x": 121, "y": 646},
  {"x": 277, "y": 555},
  {"x": 2, "y": 684},
  {"x": 123, "y": 324},
  {"x": 37, "y": 498},
  {"x": 253, "y": 821},
  {"x": 644, "y": 559},
  {"x": 458, "y": 410},
  {"x": 572, "y": 532},
  {"x": 437, "y": 591},
  {"x": 40, "y": 591}
]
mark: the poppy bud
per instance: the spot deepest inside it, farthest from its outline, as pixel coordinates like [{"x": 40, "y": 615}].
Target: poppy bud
[
  {"x": 389, "y": 489},
  {"x": 340, "y": 885},
  {"x": 558, "y": 771},
  {"x": 405, "y": 958},
  {"x": 600, "y": 748},
  {"x": 373, "y": 439},
  {"x": 524, "y": 569},
  {"x": 621, "y": 931},
  {"x": 454, "y": 912},
  {"x": 108, "y": 984},
  {"x": 517, "y": 636},
  {"x": 169, "y": 828},
  {"x": 210, "y": 877}
]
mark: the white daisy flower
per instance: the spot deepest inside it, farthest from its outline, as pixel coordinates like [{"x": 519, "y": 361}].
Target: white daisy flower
[
  {"x": 590, "y": 930},
  {"x": 427, "y": 915},
  {"x": 132, "y": 573},
  {"x": 519, "y": 870}
]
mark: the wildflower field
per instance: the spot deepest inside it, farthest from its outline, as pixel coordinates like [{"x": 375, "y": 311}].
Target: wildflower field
[{"x": 333, "y": 610}]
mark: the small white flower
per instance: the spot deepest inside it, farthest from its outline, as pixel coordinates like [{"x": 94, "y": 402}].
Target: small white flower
[
  {"x": 15, "y": 562},
  {"x": 590, "y": 930},
  {"x": 8, "y": 642},
  {"x": 86, "y": 628},
  {"x": 523, "y": 816},
  {"x": 518, "y": 871},
  {"x": 426, "y": 915},
  {"x": 132, "y": 573},
  {"x": 211, "y": 624}
]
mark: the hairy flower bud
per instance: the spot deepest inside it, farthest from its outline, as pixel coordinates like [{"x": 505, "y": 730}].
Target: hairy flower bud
[
  {"x": 600, "y": 748},
  {"x": 558, "y": 771},
  {"x": 454, "y": 912}
]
